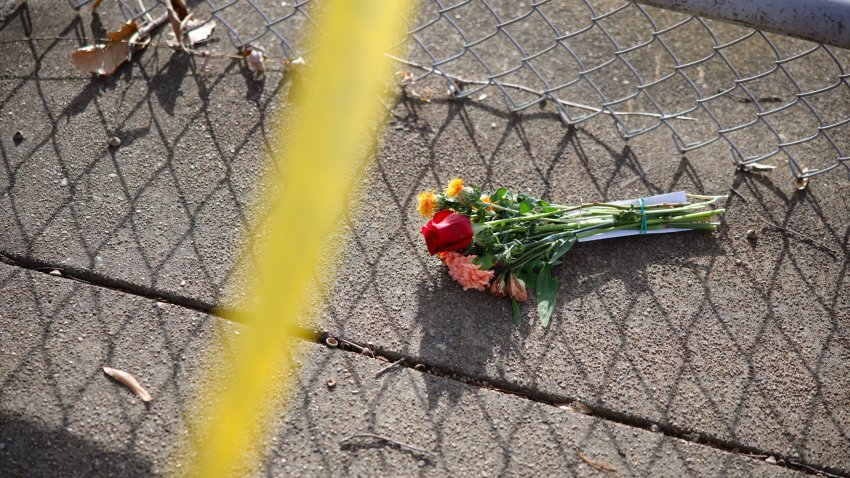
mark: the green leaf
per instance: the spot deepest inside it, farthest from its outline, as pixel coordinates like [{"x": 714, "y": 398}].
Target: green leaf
[
  {"x": 525, "y": 207},
  {"x": 486, "y": 262},
  {"x": 546, "y": 290},
  {"x": 498, "y": 195},
  {"x": 517, "y": 315},
  {"x": 562, "y": 248}
]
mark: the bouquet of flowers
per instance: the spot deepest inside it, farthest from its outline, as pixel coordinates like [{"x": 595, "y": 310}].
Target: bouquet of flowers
[{"x": 510, "y": 242}]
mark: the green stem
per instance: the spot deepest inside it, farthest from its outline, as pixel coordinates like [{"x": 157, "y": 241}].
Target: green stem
[
  {"x": 485, "y": 205},
  {"x": 681, "y": 221}
]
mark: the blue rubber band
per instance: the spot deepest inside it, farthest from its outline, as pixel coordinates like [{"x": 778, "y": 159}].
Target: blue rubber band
[{"x": 642, "y": 217}]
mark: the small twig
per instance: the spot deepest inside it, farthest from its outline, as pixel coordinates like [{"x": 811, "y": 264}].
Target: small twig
[
  {"x": 532, "y": 91},
  {"x": 351, "y": 344},
  {"x": 389, "y": 440},
  {"x": 739, "y": 194},
  {"x": 149, "y": 27},
  {"x": 767, "y": 221},
  {"x": 379, "y": 372},
  {"x": 812, "y": 469},
  {"x": 828, "y": 249},
  {"x": 595, "y": 464}
]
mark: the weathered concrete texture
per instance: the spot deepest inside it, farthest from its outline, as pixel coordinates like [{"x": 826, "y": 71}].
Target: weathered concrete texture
[
  {"x": 668, "y": 329},
  {"x": 717, "y": 335},
  {"x": 164, "y": 210},
  {"x": 61, "y": 416}
]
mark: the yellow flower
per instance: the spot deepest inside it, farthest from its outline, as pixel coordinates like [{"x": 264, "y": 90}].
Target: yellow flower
[
  {"x": 455, "y": 186},
  {"x": 426, "y": 203}
]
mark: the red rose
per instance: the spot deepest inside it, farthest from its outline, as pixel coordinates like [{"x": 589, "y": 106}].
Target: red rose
[{"x": 447, "y": 232}]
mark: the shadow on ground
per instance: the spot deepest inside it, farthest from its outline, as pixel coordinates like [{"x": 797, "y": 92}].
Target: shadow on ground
[{"x": 33, "y": 449}]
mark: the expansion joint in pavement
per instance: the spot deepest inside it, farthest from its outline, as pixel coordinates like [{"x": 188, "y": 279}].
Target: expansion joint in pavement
[
  {"x": 100, "y": 280},
  {"x": 395, "y": 359}
]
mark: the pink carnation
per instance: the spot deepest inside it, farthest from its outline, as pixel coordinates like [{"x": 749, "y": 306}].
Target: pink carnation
[{"x": 467, "y": 274}]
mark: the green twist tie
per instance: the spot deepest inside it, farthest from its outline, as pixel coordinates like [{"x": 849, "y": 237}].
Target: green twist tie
[{"x": 642, "y": 217}]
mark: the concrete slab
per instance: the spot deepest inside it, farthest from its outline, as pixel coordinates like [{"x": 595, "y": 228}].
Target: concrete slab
[
  {"x": 61, "y": 416},
  {"x": 163, "y": 211},
  {"x": 669, "y": 330},
  {"x": 726, "y": 338}
]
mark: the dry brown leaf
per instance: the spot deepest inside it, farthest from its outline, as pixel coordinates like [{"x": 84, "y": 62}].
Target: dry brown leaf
[
  {"x": 425, "y": 96},
  {"x": 180, "y": 8},
  {"x": 95, "y": 5},
  {"x": 757, "y": 167},
  {"x": 405, "y": 77},
  {"x": 802, "y": 183},
  {"x": 595, "y": 464},
  {"x": 104, "y": 59},
  {"x": 201, "y": 34},
  {"x": 129, "y": 381},
  {"x": 125, "y": 32},
  {"x": 177, "y": 13},
  {"x": 576, "y": 407},
  {"x": 294, "y": 65}
]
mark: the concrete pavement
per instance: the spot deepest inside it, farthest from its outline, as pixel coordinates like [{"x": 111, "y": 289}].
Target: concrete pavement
[
  {"x": 716, "y": 339},
  {"x": 61, "y": 416}
]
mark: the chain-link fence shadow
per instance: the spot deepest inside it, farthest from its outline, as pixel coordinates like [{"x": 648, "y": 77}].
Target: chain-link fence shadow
[
  {"x": 672, "y": 330},
  {"x": 751, "y": 329},
  {"x": 643, "y": 67},
  {"x": 61, "y": 415},
  {"x": 171, "y": 198}
]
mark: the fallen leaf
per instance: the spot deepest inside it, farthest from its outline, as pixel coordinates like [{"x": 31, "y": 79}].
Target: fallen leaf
[
  {"x": 95, "y": 5},
  {"x": 199, "y": 34},
  {"x": 294, "y": 65},
  {"x": 104, "y": 59},
  {"x": 756, "y": 167},
  {"x": 255, "y": 56},
  {"x": 595, "y": 464},
  {"x": 179, "y": 7},
  {"x": 125, "y": 32},
  {"x": 576, "y": 407},
  {"x": 802, "y": 183},
  {"x": 425, "y": 96},
  {"x": 129, "y": 381},
  {"x": 177, "y": 13},
  {"x": 405, "y": 77}
]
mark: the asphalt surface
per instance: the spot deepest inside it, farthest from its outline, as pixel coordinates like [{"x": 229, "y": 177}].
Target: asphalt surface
[{"x": 736, "y": 340}]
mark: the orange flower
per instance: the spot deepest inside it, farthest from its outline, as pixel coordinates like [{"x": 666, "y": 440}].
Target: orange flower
[
  {"x": 516, "y": 288},
  {"x": 454, "y": 188},
  {"x": 467, "y": 274},
  {"x": 426, "y": 203},
  {"x": 487, "y": 200}
]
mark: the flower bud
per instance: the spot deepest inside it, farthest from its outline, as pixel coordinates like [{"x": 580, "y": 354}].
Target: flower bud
[
  {"x": 516, "y": 288},
  {"x": 468, "y": 196},
  {"x": 497, "y": 288}
]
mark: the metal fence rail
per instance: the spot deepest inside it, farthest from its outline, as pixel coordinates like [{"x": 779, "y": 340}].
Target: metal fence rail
[{"x": 768, "y": 97}]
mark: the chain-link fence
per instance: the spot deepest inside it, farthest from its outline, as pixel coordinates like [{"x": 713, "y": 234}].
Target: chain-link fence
[{"x": 768, "y": 97}]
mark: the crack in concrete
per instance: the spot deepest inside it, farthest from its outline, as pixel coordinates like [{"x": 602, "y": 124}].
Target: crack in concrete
[
  {"x": 387, "y": 356},
  {"x": 595, "y": 411}
]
